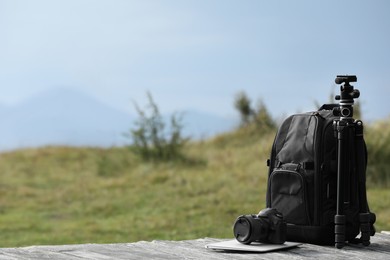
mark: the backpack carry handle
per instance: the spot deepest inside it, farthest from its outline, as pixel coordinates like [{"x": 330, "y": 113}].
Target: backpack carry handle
[{"x": 328, "y": 107}]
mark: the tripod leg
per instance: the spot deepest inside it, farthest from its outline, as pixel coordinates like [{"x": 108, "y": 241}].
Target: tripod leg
[{"x": 339, "y": 219}]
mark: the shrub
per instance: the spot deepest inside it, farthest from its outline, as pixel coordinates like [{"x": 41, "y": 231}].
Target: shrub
[
  {"x": 243, "y": 104},
  {"x": 150, "y": 139},
  {"x": 259, "y": 118}
]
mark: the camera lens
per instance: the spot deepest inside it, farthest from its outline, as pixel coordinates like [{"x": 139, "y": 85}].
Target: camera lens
[
  {"x": 250, "y": 228},
  {"x": 242, "y": 229}
]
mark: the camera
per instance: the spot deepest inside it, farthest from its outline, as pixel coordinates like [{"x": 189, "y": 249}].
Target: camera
[{"x": 266, "y": 227}]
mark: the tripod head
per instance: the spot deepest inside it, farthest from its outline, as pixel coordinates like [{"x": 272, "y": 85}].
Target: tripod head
[{"x": 346, "y": 97}]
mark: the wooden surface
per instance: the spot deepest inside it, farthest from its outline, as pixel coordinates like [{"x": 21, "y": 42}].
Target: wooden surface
[{"x": 194, "y": 249}]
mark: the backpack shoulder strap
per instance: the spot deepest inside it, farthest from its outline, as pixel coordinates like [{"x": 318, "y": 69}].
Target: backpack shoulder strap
[{"x": 366, "y": 218}]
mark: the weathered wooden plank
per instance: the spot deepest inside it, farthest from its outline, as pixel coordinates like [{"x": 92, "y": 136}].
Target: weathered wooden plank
[{"x": 194, "y": 249}]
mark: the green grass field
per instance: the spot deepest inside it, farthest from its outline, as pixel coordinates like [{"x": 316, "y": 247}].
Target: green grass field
[{"x": 62, "y": 195}]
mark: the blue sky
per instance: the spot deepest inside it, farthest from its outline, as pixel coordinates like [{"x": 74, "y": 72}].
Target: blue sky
[{"x": 197, "y": 54}]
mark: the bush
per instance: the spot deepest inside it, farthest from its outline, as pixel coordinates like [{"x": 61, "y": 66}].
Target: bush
[
  {"x": 150, "y": 139},
  {"x": 259, "y": 118},
  {"x": 243, "y": 104}
]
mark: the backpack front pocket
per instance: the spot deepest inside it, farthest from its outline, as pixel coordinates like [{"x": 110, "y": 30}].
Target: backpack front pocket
[{"x": 289, "y": 195}]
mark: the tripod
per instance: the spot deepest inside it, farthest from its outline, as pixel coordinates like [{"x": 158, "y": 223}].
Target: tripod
[{"x": 351, "y": 161}]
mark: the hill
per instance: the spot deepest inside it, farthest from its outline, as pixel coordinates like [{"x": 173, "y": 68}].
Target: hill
[
  {"x": 65, "y": 195},
  {"x": 68, "y": 117},
  {"x": 62, "y": 117}
]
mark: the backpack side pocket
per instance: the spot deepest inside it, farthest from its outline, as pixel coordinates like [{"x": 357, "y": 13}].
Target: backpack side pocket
[{"x": 288, "y": 194}]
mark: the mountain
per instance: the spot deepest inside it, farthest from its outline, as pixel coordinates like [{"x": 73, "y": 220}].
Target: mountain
[
  {"x": 62, "y": 117},
  {"x": 68, "y": 117}
]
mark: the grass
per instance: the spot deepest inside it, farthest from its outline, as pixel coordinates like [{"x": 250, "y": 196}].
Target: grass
[
  {"x": 378, "y": 145},
  {"x": 63, "y": 195}
]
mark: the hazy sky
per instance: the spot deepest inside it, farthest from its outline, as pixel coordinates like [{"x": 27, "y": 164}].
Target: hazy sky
[{"x": 196, "y": 54}]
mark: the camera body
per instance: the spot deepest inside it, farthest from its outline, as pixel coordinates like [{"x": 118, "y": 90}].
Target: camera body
[{"x": 266, "y": 227}]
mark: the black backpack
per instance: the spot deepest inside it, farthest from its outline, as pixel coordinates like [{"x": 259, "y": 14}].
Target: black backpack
[{"x": 302, "y": 180}]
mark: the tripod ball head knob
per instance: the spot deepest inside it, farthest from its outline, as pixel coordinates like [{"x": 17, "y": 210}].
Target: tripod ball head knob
[{"x": 355, "y": 93}]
